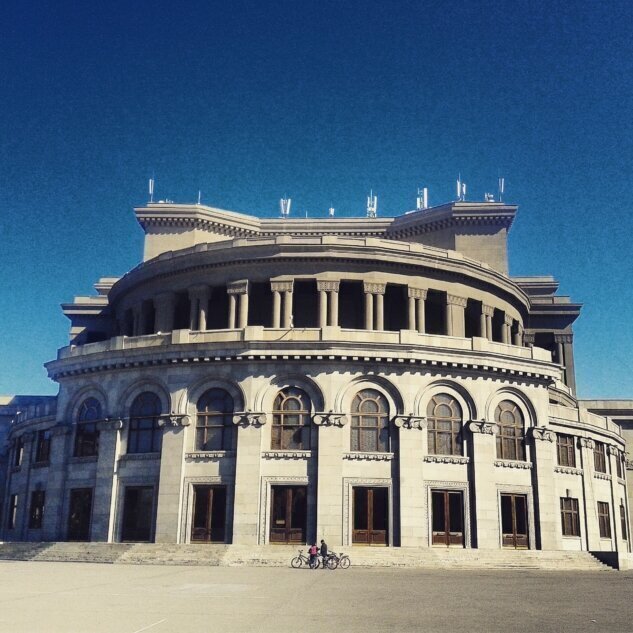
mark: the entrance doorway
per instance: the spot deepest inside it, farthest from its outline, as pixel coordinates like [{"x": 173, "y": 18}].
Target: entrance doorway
[
  {"x": 447, "y": 517},
  {"x": 138, "y": 512},
  {"x": 209, "y": 514},
  {"x": 371, "y": 516},
  {"x": 288, "y": 514},
  {"x": 514, "y": 522},
  {"x": 80, "y": 514}
]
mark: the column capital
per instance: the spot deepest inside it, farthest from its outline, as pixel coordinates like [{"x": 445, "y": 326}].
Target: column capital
[
  {"x": 454, "y": 300},
  {"x": 417, "y": 293},
  {"x": 249, "y": 418},
  {"x": 483, "y": 427},
  {"x": 410, "y": 421},
  {"x": 529, "y": 337},
  {"x": 586, "y": 442},
  {"x": 508, "y": 320},
  {"x": 237, "y": 287},
  {"x": 327, "y": 285},
  {"x": 282, "y": 286},
  {"x": 110, "y": 424},
  {"x": 370, "y": 287},
  {"x": 487, "y": 310},
  {"x": 329, "y": 419},
  {"x": 173, "y": 420},
  {"x": 542, "y": 433},
  {"x": 563, "y": 338},
  {"x": 613, "y": 450}
]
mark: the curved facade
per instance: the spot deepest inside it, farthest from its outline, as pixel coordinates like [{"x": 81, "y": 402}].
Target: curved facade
[{"x": 370, "y": 382}]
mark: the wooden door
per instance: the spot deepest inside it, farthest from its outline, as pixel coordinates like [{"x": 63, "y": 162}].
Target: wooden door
[
  {"x": 371, "y": 516},
  {"x": 80, "y": 514},
  {"x": 514, "y": 522},
  {"x": 447, "y": 517},
  {"x": 288, "y": 514},
  {"x": 138, "y": 513},
  {"x": 209, "y": 514}
]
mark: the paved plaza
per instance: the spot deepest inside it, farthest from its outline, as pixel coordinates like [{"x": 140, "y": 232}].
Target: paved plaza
[{"x": 93, "y": 598}]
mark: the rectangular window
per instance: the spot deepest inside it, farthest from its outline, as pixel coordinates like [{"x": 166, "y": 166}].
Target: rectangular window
[
  {"x": 604, "y": 520},
  {"x": 36, "y": 515},
  {"x": 599, "y": 457},
  {"x": 86, "y": 439},
  {"x": 566, "y": 450},
  {"x": 623, "y": 521},
  {"x": 43, "y": 447},
  {"x": 618, "y": 465},
  {"x": 569, "y": 516},
  {"x": 13, "y": 512},
  {"x": 18, "y": 452}
]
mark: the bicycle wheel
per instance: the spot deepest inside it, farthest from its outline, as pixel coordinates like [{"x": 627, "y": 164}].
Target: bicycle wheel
[
  {"x": 315, "y": 563},
  {"x": 332, "y": 562},
  {"x": 345, "y": 562},
  {"x": 296, "y": 562}
]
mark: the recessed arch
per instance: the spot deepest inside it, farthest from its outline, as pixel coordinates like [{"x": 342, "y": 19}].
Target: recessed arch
[
  {"x": 139, "y": 387},
  {"x": 265, "y": 397},
  {"x": 188, "y": 400},
  {"x": 519, "y": 398},
  {"x": 463, "y": 397},
  {"x": 344, "y": 397},
  {"x": 88, "y": 391}
]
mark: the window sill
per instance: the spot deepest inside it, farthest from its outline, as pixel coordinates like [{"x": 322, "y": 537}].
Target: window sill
[
  {"x": 369, "y": 456},
  {"x": 201, "y": 456},
  {"x": 138, "y": 456},
  {"x": 604, "y": 476},
  {"x": 447, "y": 459},
  {"x": 511, "y": 463},
  {"x": 298, "y": 454},
  {"x": 84, "y": 459},
  {"x": 568, "y": 470}
]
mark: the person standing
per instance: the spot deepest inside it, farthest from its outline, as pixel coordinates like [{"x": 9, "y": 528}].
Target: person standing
[
  {"x": 313, "y": 551},
  {"x": 323, "y": 554}
]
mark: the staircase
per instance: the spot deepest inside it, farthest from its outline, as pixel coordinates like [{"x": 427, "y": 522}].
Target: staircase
[{"x": 280, "y": 556}]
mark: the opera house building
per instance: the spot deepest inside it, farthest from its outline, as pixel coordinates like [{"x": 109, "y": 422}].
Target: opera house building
[{"x": 368, "y": 381}]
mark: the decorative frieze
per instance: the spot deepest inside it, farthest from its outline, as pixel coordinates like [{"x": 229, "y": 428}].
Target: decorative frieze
[
  {"x": 543, "y": 434},
  {"x": 567, "y": 470},
  {"x": 563, "y": 338},
  {"x": 368, "y": 456},
  {"x": 455, "y": 300},
  {"x": 446, "y": 459},
  {"x": 417, "y": 293},
  {"x": 249, "y": 418},
  {"x": 487, "y": 310},
  {"x": 281, "y": 286},
  {"x": 374, "y": 288},
  {"x": 327, "y": 285},
  {"x": 604, "y": 476},
  {"x": 586, "y": 442},
  {"x": 237, "y": 287},
  {"x": 329, "y": 419},
  {"x": 410, "y": 422},
  {"x": 287, "y": 454},
  {"x": 203, "y": 456},
  {"x": 511, "y": 463},
  {"x": 481, "y": 426}
]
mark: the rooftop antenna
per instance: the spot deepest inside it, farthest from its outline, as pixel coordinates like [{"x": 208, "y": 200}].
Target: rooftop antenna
[
  {"x": 461, "y": 188},
  {"x": 199, "y": 195},
  {"x": 489, "y": 197},
  {"x": 372, "y": 205},
  {"x": 331, "y": 212},
  {"x": 151, "y": 189},
  {"x": 502, "y": 186},
  {"x": 284, "y": 206},
  {"x": 422, "y": 201}
]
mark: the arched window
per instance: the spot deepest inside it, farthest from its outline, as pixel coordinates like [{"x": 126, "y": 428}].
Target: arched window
[
  {"x": 145, "y": 434},
  {"x": 444, "y": 417},
  {"x": 511, "y": 437},
  {"x": 370, "y": 422},
  {"x": 86, "y": 433},
  {"x": 214, "y": 422},
  {"x": 291, "y": 420}
]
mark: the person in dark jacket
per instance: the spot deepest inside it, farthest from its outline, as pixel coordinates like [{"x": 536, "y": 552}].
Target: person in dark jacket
[{"x": 323, "y": 553}]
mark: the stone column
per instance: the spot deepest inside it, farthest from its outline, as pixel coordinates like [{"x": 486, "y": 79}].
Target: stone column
[
  {"x": 102, "y": 528},
  {"x": 486, "y": 522},
  {"x": 322, "y": 288},
  {"x": 411, "y": 317},
  {"x": 238, "y": 289},
  {"x": 332, "y": 440},
  {"x": 568, "y": 355},
  {"x": 334, "y": 306},
  {"x": 591, "y": 531},
  {"x": 547, "y": 504},
  {"x": 370, "y": 290},
  {"x": 276, "y": 308},
  {"x": 369, "y": 310},
  {"x": 506, "y": 328},
  {"x": 54, "y": 529},
  {"x": 23, "y": 489},
  {"x": 421, "y": 309},
  {"x": 518, "y": 335},
  {"x": 164, "y": 305},
  {"x": 199, "y": 303},
  {"x": 136, "y": 316},
  {"x": 413, "y": 528},
  {"x": 247, "y": 479},
  {"x": 328, "y": 302},
  {"x": 613, "y": 455},
  {"x": 455, "y": 315},
  {"x": 380, "y": 311},
  {"x": 285, "y": 289},
  {"x": 172, "y": 459},
  {"x": 487, "y": 312}
]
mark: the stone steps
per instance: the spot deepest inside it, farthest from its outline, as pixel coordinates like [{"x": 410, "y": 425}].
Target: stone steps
[{"x": 280, "y": 556}]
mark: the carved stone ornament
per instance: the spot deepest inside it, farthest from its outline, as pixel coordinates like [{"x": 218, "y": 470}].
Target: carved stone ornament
[
  {"x": 454, "y": 300},
  {"x": 372, "y": 457},
  {"x": 202, "y": 456},
  {"x": 568, "y": 470},
  {"x": 374, "y": 288},
  {"x": 287, "y": 454},
  {"x": 174, "y": 420},
  {"x": 110, "y": 424},
  {"x": 487, "y": 310},
  {"x": 629, "y": 464},
  {"x": 281, "y": 286},
  {"x": 481, "y": 426},
  {"x": 329, "y": 419},
  {"x": 327, "y": 285},
  {"x": 249, "y": 418},
  {"x": 613, "y": 450},
  {"x": 542, "y": 433},
  {"x": 604, "y": 476},
  {"x": 446, "y": 459},
  {"x": 586, "y": 442},
  {"x": 417, "y": 293},
  {"x": 563, "y": 338},
  {"x": 237, "y": 287},
  {"x": 410, "y": 422},
  {"x": 510, "y": 463}
]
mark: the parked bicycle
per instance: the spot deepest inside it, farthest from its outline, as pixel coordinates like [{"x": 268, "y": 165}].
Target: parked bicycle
[
  {"x": 335, "y": 560},
  {"x": 303, "y": 559}
]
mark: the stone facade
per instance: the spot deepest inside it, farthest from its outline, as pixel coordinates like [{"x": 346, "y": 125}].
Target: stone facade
[{"x": 266, "y": 381}]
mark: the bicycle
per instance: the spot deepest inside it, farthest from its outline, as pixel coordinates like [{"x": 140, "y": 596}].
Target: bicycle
[
  {"x": 304, "y": 559},
  {"x": 335, "y": 560}
]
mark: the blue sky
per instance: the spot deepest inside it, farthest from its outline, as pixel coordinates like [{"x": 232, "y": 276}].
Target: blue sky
[{"x": 323, "y": 101}]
